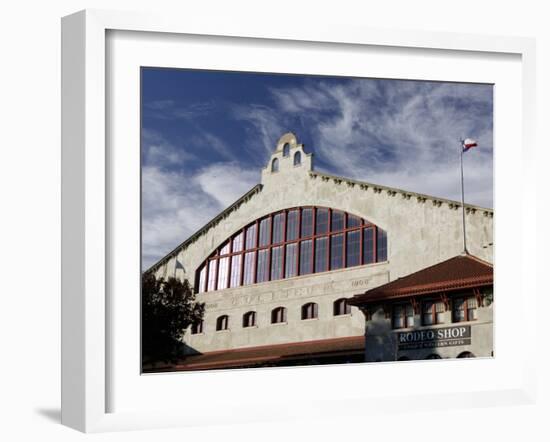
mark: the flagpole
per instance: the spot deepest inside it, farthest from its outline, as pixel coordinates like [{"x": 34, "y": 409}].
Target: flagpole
[{"x": 462, "y": 188}]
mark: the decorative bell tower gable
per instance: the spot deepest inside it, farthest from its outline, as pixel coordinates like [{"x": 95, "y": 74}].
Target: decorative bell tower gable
[{"x": 288, "y": 162}]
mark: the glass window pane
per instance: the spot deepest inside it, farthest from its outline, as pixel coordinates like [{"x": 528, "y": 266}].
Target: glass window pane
[
  {"x": 368, "y": 246},
  {"x": 336, "y": 251},
  {"x": 236, "y": 270},
  {"x": 305, "y": 257},
  {"x": 321, "y": 221},
  {"x": 291, "y": 260},
  {"x": 262, "y": 271},
  {"x": 337, "y": 222},
  {"x": 321, "y": 254},
  {"x": 353, "y": 248},
  {"x": 202, "y": 279},
  {"x": 251, "y": 237},
  {"x": 353, "y": 221},
  {"x": 307, "y": 222},
  {"x": 212, "y": 274},
  {"x": 277, "y": 263},
  {"x": 278, "y": 226},
  {"x": 381, "y": 245},
  {"x": 265, "y": 225},
  {"x": 238, "y": 242},
  {"x": 292, "y": 225},
  {"x": 249, "y": 268},
  {"x": 223, "y": 273},
  {"x": 224, "y": 250}
]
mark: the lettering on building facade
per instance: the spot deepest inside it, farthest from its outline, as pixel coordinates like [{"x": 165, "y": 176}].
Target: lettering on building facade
[{"x": 436, "y": 337}]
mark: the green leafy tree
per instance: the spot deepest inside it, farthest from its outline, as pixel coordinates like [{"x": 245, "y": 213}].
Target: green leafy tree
[{"x": 168, "y": 309}]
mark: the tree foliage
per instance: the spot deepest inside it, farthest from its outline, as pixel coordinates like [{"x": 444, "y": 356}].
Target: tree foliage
[{"x": 168, "y": 309}]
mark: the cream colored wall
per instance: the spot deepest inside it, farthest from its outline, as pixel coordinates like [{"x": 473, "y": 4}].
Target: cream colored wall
[{"x": 421, "y": 231}]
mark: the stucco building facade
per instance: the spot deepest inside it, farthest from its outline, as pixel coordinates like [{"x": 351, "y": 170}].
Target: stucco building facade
[{"x": 275, "y": 268}]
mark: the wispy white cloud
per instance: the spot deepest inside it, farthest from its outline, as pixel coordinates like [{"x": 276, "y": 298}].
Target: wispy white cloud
[
  {"x": 177, "y": 202},
  {"x": 403, "y": 135}
]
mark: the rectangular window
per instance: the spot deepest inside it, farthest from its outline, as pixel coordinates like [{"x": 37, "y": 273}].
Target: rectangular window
[
  {"x": 305, "y": 257},
  {"x": 235, "y": 270},
  {"x": 251, "y": 237},
  {"x": 265, "y": 225},
  {"x": 262, "y": 271},
  {"x": 291, "y": 262},
  {"x": 353, "y": 248},
  {"x": 307, "y": 222},
  {"x": 458, "y": 310},
  {"x": 337, "y": 222},
  {"x": 321, "y": 221},
  {"x": 433, "y": 312},
  {"x": 321, "y": 245},
  {"x": 398, "y": 317},
  {"x": 472, "y": 309},
  {"x": 368, "y": 246},
  {"x": 336, "y": 251},
  {"x": 353, "y": 221},
  {"x": 409, "y": 312},
  {"x": 464, "y": 309},
  {"x": 238, "y": 242},
  {"x": 248, "y": 277},
  {"x": 381, "y": 245},
  {"x": 212, "y": 275},
  {"x": 427, "y": 313},
  {"x": 292, "y": 225},
  {"x": 278, "y": 228},
  {"x": 223, "y": 273},
  {"x": 277, "y": 263}
]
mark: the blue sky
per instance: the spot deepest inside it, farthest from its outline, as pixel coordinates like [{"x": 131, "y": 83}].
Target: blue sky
[{"x": 206, "y": 135}]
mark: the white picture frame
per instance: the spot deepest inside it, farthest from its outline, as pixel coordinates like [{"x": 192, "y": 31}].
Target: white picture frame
[{"x": 86, "y": 209}]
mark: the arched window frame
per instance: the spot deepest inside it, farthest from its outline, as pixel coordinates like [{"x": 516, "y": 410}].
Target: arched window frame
[
  {"x": 197, "y": 328},
  {"x": 286, "y": 244},
  {"x": 310, "y": 310},
  {"x": 278, "y": 315},
  {"x": 249, "y": 319},
  {"x": 222, "y": 323},
  {"x": 297, "y": 159},
  {"x": 341, "y": 307},
  {"x": 275, "y": 165},
  {"x": 286, "y": 150},
  {"x": 466, "y": 354}
]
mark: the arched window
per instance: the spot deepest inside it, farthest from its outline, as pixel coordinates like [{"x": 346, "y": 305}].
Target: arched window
[
  {"x": 197, "y": 328},
  {"x": 222, "y": 323},
  {"x": 286, "y": 150},
  {"x": 249, "y": 319},
  {"x": 466, "y": 354},
  {"x": 275, "y": 165},
  {"x": 433, "y": 356},
  {"x": 278, "y": 315},
  {"x": 341, "y": 307},
  {"x": 297, "y": 158},
  {"x": 291, "y": 242},
  {"x": 310, "y": 310}
]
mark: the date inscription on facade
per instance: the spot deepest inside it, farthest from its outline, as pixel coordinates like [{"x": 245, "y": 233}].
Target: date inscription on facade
[{"x": 436, "y": 337}]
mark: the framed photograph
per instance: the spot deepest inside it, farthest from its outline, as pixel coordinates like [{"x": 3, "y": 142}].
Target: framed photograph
[{"x": 293, "y": 212}]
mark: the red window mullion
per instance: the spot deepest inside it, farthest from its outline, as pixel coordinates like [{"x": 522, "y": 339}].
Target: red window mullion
[
  {"x": 344, "y": 241},
  {"x": 361, "y": 234},
  {"x": 375, "y": 243},
  {"x": 243, "y": 252},
  {"x": 298, "y": 243},
  {"x": 314, "y": 231},
  {"x": 270, "y": 247},
  {"x": 283, "y": 246},
  {"x": 255, "y": 260}
]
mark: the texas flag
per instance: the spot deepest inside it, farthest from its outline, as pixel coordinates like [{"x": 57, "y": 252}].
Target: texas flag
[{"x": 467, "y": 144}]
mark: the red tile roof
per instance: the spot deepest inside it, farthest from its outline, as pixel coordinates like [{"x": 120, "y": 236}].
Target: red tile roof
[
  {"x": 270, "y": 353},
  {"x": 460, "y": 272}
]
